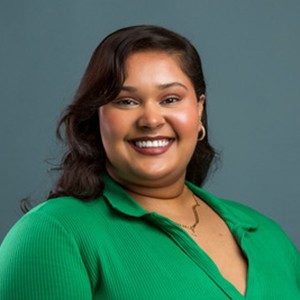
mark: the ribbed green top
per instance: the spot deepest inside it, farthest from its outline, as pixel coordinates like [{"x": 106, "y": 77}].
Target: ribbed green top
[{"x": 111, "y": 248}]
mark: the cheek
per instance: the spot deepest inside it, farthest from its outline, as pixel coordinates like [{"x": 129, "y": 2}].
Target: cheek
[
  {"x": 187, "y": 121},
  {"x": 109, "y": 121},
  {"x": 107, "y": 124}
]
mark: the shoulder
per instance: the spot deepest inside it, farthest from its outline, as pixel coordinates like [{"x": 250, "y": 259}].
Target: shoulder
[
  {"x": 264, "y": 222},
  {"x": 235, "y": 211},
  {"x": 266, "y": 232},
  {"x": 241, "y": 209},
  {"x": 263, "y": 229},
  {"x": 61, "y": 232},
  {"x": 266, "y": 225},
  {"x": 46, "y": 248},
  {"x": 242, "y": 212},
  {"x": 64, "y": 217},
  {"x": 69, "y": 210}
]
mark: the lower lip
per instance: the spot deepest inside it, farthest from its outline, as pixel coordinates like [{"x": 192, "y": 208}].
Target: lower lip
[{"x": 153, "y": 150}]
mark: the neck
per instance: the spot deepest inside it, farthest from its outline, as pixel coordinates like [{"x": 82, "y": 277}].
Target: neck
[{"x": 157, "y": 195}]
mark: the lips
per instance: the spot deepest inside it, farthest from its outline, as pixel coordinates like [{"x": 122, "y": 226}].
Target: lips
[{"x": 152, "y": 146}]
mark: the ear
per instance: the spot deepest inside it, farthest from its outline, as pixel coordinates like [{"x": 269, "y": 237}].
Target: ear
[{"x": 200, "y": 106}]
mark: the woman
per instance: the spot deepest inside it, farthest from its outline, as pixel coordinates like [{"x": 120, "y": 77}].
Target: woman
[{"x": 127, "y": 219}]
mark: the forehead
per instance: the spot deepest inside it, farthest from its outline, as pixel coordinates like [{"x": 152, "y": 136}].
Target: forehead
[
  {"x": 153, "y": 63},
  {"x": 154, "y": 55}
]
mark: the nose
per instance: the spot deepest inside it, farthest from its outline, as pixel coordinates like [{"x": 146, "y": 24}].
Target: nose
[{"x": 151, "y": 117}]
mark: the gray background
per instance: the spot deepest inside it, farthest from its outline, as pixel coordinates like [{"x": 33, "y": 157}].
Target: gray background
[{"x": 250, "y": 52}]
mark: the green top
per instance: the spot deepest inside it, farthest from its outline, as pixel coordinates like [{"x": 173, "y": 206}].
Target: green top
[{"x": 111, "y": 248}]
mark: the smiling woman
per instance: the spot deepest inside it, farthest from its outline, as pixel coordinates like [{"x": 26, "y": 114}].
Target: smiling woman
[
  {"x": 150, "y": 131},
  {"x": 127, "y": 218}
]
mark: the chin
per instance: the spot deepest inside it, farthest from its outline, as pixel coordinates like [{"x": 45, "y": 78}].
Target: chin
[
  {"x": 148, "y": 175},
  {"x": 155, "y": 178}
]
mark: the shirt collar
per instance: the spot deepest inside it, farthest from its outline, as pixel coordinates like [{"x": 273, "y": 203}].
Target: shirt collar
[{"x": 120, "y": 200}]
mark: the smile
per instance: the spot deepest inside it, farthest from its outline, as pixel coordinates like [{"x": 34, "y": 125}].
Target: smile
[{"x": 152, "y": 144}]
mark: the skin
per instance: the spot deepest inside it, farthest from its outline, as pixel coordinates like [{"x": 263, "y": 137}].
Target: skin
[{"x": 158, "y": 102}]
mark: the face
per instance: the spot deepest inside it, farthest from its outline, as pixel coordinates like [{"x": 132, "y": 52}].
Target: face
[{"x": 149, "y": 132}]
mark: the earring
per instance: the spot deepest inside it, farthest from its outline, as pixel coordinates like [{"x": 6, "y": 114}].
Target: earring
[{"x": 203, "y": 133}]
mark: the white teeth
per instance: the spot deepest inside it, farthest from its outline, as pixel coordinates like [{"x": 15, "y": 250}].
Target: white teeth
[{"x": 152, "y": 144}]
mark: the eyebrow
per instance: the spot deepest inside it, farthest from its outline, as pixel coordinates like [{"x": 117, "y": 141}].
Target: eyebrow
[
  {"x": 171, "y": 84},
  {"x": 160, "y": 86}
]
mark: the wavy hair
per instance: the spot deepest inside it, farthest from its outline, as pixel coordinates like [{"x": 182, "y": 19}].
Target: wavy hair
[{"x": 84, "y": 160}]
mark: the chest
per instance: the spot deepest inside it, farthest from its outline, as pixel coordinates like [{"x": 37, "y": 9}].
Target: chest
[
  {"x": 221, "y": 247},
  {"x": 146, "y": 261}
]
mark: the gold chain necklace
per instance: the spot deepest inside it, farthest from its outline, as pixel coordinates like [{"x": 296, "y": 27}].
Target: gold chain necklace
[{"x": 192, "y": 227}]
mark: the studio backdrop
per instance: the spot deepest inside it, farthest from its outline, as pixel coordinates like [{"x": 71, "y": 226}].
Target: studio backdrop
[{"x": 250, "y": 53}]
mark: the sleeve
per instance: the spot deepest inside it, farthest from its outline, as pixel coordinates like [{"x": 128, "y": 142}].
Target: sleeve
[
  {"x": 39, "y": 259},
  {"x": 298, "y": 268},
  {"x": 292, "y": 251}
]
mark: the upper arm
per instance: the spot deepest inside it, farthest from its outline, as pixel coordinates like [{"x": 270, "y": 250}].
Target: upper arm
[{"x": 39, "y": 259}]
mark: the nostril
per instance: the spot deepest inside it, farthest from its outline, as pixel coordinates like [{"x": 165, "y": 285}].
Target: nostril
[
  {"x": 151, "y": 124},
  {"x": 151, "y": 121}
]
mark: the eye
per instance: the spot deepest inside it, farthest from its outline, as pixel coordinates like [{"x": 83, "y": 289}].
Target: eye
[
  {"x": 170, "y": 100},
  {"x": 127, "y": 102}
]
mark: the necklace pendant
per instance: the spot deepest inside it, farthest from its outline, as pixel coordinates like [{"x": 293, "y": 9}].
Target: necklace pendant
[
  {"x": 192, "y": 227},
  {"x": 194, "y": 233}
]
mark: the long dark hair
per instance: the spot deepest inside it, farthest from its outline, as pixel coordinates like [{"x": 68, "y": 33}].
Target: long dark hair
[{"x": 84, "y": 160}]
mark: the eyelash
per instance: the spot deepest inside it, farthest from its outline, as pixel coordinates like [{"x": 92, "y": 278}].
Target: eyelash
[
  {"x": 131, "y": 102},
  {"x": 167, "y": 100},
  {"x": 125, "y": 102}
]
